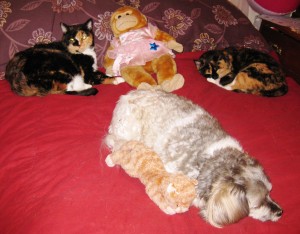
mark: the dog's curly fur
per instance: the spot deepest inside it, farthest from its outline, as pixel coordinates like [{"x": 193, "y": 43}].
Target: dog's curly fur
[{"x": 231, "y": 184}]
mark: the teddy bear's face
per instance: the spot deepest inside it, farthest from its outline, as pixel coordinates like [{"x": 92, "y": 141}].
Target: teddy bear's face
[{"x": 125, "y": 19}]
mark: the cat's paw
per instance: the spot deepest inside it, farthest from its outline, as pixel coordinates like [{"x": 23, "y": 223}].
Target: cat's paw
[
  {"x": 109, "y": 161},
  {"x": 87, "y": 86},
  {"x": 109, "y": 71},
  {"x": 77, "y": 84},
  {"x": 211, "y": 80},
  {"x": 118, "y": 80}
]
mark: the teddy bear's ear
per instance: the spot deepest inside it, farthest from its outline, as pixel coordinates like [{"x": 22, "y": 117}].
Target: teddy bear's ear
[
  {"x": 171, "y": 188},
  {"x": 145, "y": 17}
]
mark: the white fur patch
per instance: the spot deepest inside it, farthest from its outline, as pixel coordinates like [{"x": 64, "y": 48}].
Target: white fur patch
[
  {"x": 91, "y": 52},
  {"x": 171, "y": 188},
  {"x": 189, "y": 119},
  {"x": 221, "y": 144},
  {"x": 118, "y": 80},
  {"x": 109, "y": 161},
  {"x": 198, "y": 202},
  {"x": 217, "y": 82},
  {"x": 77, "y": 84}
]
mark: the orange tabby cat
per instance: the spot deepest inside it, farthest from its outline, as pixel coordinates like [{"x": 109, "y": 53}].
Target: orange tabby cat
[{"x": 173, "y": 193}]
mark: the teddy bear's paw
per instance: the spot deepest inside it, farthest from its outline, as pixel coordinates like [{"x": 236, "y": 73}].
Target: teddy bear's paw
[
  {"x": 174, "y": 45},
  {"x": 181, "y": 209},
  {"x": 109, "y": 161},
  {"x": 173, "y": 84},
  {"x": 118, "y": 80},
  {"x": 146, "y": 86},
  {"x": 169, "y": 210}
]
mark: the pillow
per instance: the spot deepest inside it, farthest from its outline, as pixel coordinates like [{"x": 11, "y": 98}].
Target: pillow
[
  {"x": 274, "y": 7},
  {"x": 198, "y": 25}
]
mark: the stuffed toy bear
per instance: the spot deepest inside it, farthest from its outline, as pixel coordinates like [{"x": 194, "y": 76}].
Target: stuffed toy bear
[
  {"x": 173, "y": 193},
  {"x": 139, "y": 49}
]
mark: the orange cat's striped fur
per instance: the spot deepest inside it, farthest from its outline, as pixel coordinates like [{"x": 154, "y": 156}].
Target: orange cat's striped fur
[{"x": 173, "y": 193}]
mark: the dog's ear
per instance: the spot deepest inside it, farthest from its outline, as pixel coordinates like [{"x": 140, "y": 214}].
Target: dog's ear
[{"x": 227, "y": 204}]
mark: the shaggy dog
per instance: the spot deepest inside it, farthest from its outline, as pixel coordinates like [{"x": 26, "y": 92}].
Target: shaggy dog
[{"x": 231, "y": 184}]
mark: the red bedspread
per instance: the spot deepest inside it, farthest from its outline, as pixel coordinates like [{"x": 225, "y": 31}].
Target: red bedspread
[{"x": 53, "y": 178}]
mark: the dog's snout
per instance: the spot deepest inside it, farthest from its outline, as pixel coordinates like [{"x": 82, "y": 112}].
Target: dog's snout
[{"x": 276, "y": 210}]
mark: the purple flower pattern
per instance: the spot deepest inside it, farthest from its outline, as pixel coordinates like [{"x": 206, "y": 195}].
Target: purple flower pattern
[
  {"x": 4, "y": 10},
  {"x": 197, "y": 24},
  {"x": 68, "y": 6},
  {"x": 176, "y": 22},
  {"x": 40, "y": 36},
  {"x": 103, "y": 30}
]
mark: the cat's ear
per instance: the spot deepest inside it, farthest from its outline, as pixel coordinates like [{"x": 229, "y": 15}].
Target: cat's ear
[
  {"x": 89, "y": 24},
  {"x": 198, "y": 64},
  {"x": 64, "y": 27}
]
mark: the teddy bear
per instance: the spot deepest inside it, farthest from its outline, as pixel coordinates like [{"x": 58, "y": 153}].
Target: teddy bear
[
  {"x": 139, "y": 49},
  {"x": 172, "y": 193}
]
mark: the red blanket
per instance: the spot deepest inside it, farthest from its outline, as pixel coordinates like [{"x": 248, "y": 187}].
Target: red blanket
[{"x": 53, "y": 178}]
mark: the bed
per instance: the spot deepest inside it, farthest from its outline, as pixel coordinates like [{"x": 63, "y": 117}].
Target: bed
[{"x": 53, "y": 177}]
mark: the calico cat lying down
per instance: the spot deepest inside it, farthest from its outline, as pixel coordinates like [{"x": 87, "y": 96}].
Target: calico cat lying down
[
  {"x": 65, "y": 67},
  {"x": 243, "y": 70}
]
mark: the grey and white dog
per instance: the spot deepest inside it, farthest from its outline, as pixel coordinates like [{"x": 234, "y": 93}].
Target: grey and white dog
[{"x": 231, "y": 184}]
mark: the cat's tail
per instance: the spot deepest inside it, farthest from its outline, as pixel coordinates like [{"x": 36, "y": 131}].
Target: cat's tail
[
  {"x": 280, "y": 91},
  {"x": 85, "y": 92}
]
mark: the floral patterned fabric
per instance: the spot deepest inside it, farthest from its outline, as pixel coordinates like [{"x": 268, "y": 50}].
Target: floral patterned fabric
[{"x": 197, "y": 24}]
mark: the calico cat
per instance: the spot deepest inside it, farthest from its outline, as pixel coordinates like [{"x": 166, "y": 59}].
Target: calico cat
[
  {"x": 243, "y": 70},
  {"x": 68, "y": 66},
  {"x": 173, "y": 193}
]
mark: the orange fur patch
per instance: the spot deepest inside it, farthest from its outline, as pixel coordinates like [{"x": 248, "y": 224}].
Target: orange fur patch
[
  {"x": 244, "y": 82},
  {"x": 224, "y": 68},
  {"x": 84, "y": 42},
  {"x": 165, "y": 68},
  {"x": 262, "y": 68}
]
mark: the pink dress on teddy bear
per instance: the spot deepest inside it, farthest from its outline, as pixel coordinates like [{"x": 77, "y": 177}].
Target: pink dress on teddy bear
[{"x": 136, "y": 47}]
